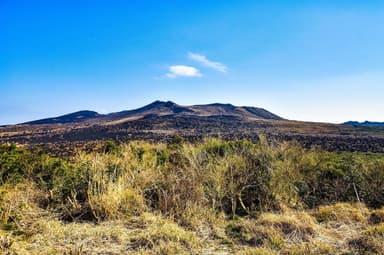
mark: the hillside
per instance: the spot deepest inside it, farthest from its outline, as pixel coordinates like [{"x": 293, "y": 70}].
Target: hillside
[{"x": 67, "y": 118}]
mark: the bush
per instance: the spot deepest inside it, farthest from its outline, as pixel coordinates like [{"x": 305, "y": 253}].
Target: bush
[{"x": 15, "y": 163}]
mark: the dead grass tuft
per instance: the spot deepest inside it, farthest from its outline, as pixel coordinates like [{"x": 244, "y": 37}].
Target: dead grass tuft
[
  {"x": 294, "y": 226},
  {"x": 342, "y": 213}
]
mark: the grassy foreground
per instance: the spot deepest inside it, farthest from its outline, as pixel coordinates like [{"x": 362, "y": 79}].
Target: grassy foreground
[{"x": 213, "y": 197}]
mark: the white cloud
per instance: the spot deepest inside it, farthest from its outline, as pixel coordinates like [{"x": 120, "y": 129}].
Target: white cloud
[
  {"x": 208, "y": 63},
  {"x": 183, "y": 71}
]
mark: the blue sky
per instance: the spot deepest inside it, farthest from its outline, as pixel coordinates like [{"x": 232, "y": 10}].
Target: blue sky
[{"x": 304, "y": 60}]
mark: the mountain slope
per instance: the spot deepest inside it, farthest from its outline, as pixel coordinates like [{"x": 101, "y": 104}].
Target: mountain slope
[
  {"x": 67, "y": 118},
  {"x": 231, "y": 110}
]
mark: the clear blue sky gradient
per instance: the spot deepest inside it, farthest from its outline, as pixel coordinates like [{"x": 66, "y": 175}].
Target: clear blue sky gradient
[{"x": 304, "y": 60}]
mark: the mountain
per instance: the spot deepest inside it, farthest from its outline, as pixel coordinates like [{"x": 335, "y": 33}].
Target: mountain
[
  {"x": 161, "y": 108},
  {"x": 161, "y": 121},
  {"x": 68, "y": 118},
  {"x": 364, "y": 124}
]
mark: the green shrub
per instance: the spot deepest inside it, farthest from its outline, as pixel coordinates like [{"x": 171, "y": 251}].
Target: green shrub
[
  {"x": 111, "y": 147},
  {"x": 15, "y": 162}
]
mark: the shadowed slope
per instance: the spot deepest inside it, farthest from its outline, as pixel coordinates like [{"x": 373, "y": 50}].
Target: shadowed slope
[{"x": 68, "y": 118}]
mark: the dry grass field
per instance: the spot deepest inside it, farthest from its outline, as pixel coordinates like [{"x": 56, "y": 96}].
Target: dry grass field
[{"x": 210, "y": 197}]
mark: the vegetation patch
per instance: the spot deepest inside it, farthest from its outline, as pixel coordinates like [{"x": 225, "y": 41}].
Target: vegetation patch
[{"x": 212, "y": 197}]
